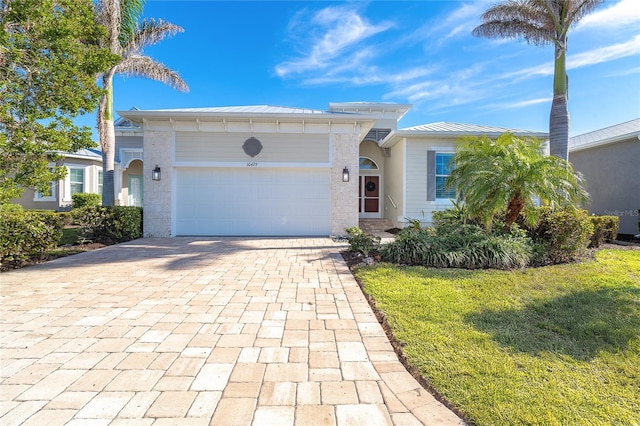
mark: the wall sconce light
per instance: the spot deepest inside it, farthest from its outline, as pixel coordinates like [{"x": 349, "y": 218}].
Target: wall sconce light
[
  {"x": 345, "y": 175},
  {"x": 156, "y": 173}
]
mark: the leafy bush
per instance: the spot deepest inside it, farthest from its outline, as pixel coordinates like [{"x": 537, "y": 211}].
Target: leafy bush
[
  {"x": 7, "y": 207},
  {"x": 24, "y": 234},
  {"x": 109, "y": 224},
  {"x": 360, "y": 242},
  {"x": 452, "y": 244},
  {"x": 605, "y": 229},
  {"x": 565, "y": 233},
  {"x": 83, "y": 199}
]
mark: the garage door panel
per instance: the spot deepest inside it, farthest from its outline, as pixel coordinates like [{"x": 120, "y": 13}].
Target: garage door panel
[{"x": 228, "y": 201}]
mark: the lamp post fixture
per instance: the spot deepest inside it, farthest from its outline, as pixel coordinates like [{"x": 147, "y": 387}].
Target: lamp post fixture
[{"x": 156, "y": 173}]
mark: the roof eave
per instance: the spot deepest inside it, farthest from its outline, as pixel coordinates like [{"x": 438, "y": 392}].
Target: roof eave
[
  {"x": 395, "y": 136},
  {"x": 594, "y": 144},
  {"x": 138, "y": 116}
]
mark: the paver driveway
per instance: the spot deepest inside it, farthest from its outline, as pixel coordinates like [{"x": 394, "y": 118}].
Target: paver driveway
[{"x": 201, "y": 331}]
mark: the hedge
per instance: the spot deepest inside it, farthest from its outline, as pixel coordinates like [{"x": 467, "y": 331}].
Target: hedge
[
  {"x": 83, "y": 199},
  {"x": 27, "y": 234},
  {"x": 109, "y": 224},
  {"x": 565, "y": 233},
  {"x": 605, "y": 229}
]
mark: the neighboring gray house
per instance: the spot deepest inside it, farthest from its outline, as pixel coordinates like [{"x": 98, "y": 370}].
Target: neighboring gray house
[
  {"x": 609, "y": 159},
  {"x": 84, "y": 174},
  {"x": 267, "y": 170}
]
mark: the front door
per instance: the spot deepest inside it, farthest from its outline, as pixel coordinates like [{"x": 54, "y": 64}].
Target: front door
[
  {"x": 135, "y": 190},
  {"x": 369, "y": 196}
]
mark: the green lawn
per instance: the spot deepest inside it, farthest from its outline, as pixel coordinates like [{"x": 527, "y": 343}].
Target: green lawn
[{"x": 558, "y": 345}]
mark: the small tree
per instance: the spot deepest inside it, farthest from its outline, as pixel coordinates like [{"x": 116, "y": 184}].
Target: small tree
[
  {"x": 49, "y": 56},
  {"x": 507, "y": 176}
]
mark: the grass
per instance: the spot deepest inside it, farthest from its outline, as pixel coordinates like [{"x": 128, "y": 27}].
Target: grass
[{"x": 556, "y": 345}]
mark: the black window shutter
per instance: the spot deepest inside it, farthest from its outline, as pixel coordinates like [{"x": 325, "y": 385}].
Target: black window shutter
[{"x": 431, "y": 175}]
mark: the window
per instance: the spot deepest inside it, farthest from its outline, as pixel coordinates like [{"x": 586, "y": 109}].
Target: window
[
  {"x": 442, "y": 172},
  {"x": 367, "y": 164},
  {"x": 76, "y": 180},
  {"x": 50, "y": 194},
  {"x": 100, "y": 182}
]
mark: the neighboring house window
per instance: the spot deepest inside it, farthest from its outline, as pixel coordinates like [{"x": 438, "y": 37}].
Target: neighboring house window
[
  {"x": 100, "y": 182},
  {"x": 442, "y": 173},
  {"x": 76, "y": 180},
  {"x": 50, "y": 194}
]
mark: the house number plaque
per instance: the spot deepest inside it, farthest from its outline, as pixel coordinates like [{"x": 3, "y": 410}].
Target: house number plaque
[{"x": 252, "y": 147}]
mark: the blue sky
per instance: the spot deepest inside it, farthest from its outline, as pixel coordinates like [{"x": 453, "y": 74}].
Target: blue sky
[{"x": 310, "y": 53}]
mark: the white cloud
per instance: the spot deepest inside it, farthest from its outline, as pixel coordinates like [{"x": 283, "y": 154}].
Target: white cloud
[
  {"x": 333, "y": 32},
  {"x": 605, "y": 54},
  {"x": 622, "y": 13},
  {"x": 591, "y": 57},
  {"x": 522, "y": 104}
]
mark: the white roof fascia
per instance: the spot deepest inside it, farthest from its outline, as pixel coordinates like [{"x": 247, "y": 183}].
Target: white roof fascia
[
  {"x": 395, "y": 136},
  {"x": 400, "y": 110}
]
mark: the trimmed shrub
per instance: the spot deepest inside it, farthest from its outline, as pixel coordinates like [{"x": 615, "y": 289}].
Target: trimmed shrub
[
  {"x": 66, "y": 217},
  {"x": 565, "y": 233},
  {"x": 109, "y": 224},
  {"x": 359, "y": 242},
  {"x": 25, "y": 234},
  {"x": 605, "y": 229},
  {"x": 7, "y": 207},
  {"x": 83, "y": 199},
  {"x": 451, "y": 245}
]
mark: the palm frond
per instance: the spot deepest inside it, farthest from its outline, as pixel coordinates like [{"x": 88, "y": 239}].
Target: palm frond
[
  {"x": 130, "y": 13},
  {"x": 143, "y": 66},
  {"x": 150, "y": 32}
]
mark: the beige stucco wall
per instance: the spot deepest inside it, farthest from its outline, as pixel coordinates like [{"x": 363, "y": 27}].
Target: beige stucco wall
[
  {"x": 157, "y": 194},
  {"x": 344, "y": 195},
  {"x": 394, "y": 185},
  {"x": 612, "y": 175}
]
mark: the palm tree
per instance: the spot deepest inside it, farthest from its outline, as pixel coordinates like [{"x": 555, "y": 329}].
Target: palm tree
[
  {"x": 127, "y": 36},
  {"x": 508, "y": 175},
  {"x": 542, "y": 22}
]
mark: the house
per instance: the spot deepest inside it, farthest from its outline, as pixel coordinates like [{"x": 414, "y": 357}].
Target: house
[
  {"x": 84, "y": 174},
  {"x": 266, "y": 170},
  {"x": 609, "y": 160}
]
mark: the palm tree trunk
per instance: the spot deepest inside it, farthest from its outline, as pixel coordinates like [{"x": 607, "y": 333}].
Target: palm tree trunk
[
  {"x": 106, "y": 132},
  {"x": 559, "y": 116},
  {"x": 515, "y": 207}
]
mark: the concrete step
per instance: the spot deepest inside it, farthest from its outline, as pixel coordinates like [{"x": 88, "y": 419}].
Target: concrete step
[{"x": 375, "y": 226}]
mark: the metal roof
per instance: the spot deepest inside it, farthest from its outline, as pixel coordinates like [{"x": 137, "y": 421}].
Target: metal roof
[
  {"x": 447, "y": 127},
  {"x": 615, "y": 133},
  {"x": 89, "y": 153},
  {"x": 454, "y": 130},
  {"x": 249, "y": 109}
]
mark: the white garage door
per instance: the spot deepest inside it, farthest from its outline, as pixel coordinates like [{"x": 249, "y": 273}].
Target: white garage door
[{"x": 231, "y": 201}]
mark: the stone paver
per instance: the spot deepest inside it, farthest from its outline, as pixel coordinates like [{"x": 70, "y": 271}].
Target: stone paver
[{"x": 210, "y": 331}]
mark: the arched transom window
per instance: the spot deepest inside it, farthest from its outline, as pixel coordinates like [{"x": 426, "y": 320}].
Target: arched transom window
[{"x": 368, "y": 164}]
